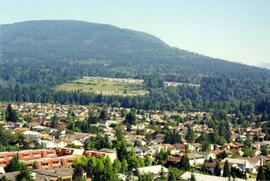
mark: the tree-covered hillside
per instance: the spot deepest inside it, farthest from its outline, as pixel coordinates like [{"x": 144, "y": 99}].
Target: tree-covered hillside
[
  {"x": 36, "y": 56},
  {"x": 111, "y": 47}
]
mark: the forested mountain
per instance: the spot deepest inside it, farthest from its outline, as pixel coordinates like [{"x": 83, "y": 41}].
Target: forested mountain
[
  {"x": 38, "y": 55},
  {"x": 110, "y": 46}
]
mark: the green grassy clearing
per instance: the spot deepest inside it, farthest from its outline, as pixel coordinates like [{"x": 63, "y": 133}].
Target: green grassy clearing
[{"x": 98, "y": 85}]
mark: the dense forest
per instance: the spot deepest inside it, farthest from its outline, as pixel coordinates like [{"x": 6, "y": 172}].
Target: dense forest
[{"x": 36, "y": 56}]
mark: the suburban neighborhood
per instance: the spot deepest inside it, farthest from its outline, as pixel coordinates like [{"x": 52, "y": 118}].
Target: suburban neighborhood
[{"x": 154, "y": 143}]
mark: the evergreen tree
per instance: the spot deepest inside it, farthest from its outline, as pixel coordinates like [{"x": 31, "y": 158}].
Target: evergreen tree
[
  {"x": 92, "y": 117},
  {"x": 28, "y": 119},
  {"x": 54, "y": 122},
  {"x": 154, "y": 81},
  {"x": 220, "y": 115},
  {"x": 119, "y": 133},
  {"x": 222, "y": 155},
  {"x": 77, "y": 172},
  {"x": 217, "y": 169},
  {"x": 161, "y": 156},
  {"x": 109, "y": 173},
  {"x": 134, "y": 162},
  {"x": 266, "y": 169},
  {"x": 224, "y": 130},
  {"x": 124, "y": 166},
  {"x": 205, "y": 146},
  {"x": 146, "y": 177},
  {"x": 172, "y": 137},
  {"x": 226, "y": 169},
  {"x": 24, "y": 175},
  {"x": 190, "y": 136},
  {"x": 236, "y": 172},
  {"x": 148, "y": 161},
  {"x": 102, "y": 142},
  {"x": 172, "y": 177},
  {"x": 184, "y": 163},
  {"x": 117, "y": 166},
  {"x": 122, "y": 152},
  {"x": 187, "y": 151},
  {"x": 90, "y": 166},
  {"x": 192, "y": 178},
  {"x": 162, "y": 176},
  {"x": 123, "y": 112},
  {"x": 131, "y": 118},
  {"x": 3, "y": 178},
  {"x": 264, "y": 150},
  {"x": 14, "y": 165},
  {"x": 260, "y": 174},
  {"x": 103, "y": 115},
  {"x": 174, "y": 174},
  {"x": 248, "y": 152},
  {"x": 98, "y": 172},
  {"x": 11, "y": 114}
]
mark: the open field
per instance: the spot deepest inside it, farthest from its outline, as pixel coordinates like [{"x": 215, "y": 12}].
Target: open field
[{"x": 105, "y": 86}]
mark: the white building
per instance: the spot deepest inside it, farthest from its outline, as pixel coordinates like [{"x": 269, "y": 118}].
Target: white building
[
  {"x": 112, "y": 154},
  {"x": 155, "y": 170},
  {"x": 196, "y": 159},
  {"x": 244, "y": 164},
  {"x": 202, "y": 177},
  {"x": 51, "y": 144},
  {"x": 32, "y": 135}
]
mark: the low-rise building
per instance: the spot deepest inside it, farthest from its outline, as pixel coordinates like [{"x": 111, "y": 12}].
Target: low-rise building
[
  {"x": 155, "y": 170},
  {"x": 202, "y": 177},
  {"x": 196, "y": 159}
]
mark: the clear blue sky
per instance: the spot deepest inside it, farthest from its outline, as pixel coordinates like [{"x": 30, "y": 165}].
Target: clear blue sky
[{"x": 237, "y": 30}]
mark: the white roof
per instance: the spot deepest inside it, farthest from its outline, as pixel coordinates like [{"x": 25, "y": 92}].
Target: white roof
[
  {"x": 40, "y": 127},
  {"x": 195, "y": 155},
  {"x": 202, "y": 177},
  {"x": 31, "y": 133},
  {"x": 156, "y": 169},
  {"x": 2, "y": 170},
  {"x": 235, "y": 160}
]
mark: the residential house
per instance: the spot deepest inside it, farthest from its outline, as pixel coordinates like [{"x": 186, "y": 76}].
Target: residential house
[
  {"x": 196, "y": 159},
  {"x": 155, "y": 170},
  {"x": 202, "y": 177}
]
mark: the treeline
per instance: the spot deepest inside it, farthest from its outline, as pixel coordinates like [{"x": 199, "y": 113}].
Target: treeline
[
  {"x": 167, "y": 98},
  {"x": 31, "y": 73},
  {"x": 26, "y": 80}
]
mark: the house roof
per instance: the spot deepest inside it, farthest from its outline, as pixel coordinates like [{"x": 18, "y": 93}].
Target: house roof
[
  {"x": 174, "y": 158},
  {"x": 168, "y": 146},
  {"x": 179, "y": 146},
  {"x": 106, "y": 150},
  {"x": 156, "y": 169},
  {"x": 11, "y": 175},
  {"x": 210, "y": 164},
  {"x": 202, "y": 177},
  {"x": 195, "y": 155},
  {"x": 236, "y": 160},
  {"x": 55, "y": 172},
  {"x": 216, "y": 152}
]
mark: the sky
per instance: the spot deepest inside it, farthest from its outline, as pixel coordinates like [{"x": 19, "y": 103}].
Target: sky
[{"x": 235, "y": 30}]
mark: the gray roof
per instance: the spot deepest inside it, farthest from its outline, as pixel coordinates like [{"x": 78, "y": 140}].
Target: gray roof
[{"x": 202, "y": 177}]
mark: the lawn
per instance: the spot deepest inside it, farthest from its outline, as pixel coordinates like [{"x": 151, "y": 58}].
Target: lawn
[{"x": 99, "y": 85}]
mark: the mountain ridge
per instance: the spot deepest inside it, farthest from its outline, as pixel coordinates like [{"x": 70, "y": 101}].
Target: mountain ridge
[
  {"x": 155, "y": 38},
  {"x": 80, "y": 40}
]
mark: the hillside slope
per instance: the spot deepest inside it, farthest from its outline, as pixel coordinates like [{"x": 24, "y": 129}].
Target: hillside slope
[
  {"x": 37, "y": 56},
  {"x": 77, "y": 41}
]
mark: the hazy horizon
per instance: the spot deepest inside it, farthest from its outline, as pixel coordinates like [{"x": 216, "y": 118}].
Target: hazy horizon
[{"x": 230, "y": 30}]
